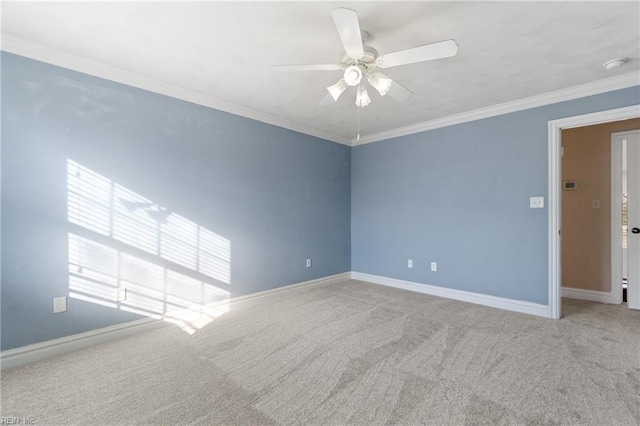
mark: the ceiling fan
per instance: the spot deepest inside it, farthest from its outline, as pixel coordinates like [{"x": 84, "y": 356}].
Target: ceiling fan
[{"x": 361, "y": 61}]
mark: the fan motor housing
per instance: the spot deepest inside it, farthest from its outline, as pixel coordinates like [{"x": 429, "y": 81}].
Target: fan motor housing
[{"x": 368, "y": 60}]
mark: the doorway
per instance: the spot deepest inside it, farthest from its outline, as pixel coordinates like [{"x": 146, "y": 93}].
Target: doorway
[{"x": 555, "y": 207}]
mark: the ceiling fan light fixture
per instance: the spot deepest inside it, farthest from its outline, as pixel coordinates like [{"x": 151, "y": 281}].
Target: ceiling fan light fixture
[
  {"x": 362, "y": 97},
  {"x": 353, "y": 75},
  {"x": 336, "y": 90},
  {"x": 359, "y": 61},
  {"x": 380, "y": 82}
]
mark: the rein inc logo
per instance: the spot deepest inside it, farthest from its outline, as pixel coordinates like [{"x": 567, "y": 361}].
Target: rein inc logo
[{"x": 17, "y": 421}]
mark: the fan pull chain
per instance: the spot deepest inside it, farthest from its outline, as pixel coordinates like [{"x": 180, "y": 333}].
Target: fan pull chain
[{"x": 358, "y": 136}]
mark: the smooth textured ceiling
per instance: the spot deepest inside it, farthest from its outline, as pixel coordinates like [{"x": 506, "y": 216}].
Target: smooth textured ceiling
[{"x": 507, "y": 51}]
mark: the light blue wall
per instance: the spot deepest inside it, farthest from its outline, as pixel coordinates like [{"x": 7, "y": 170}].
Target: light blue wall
[
  {"x": 456, "y": 195},
  {"x": 460, "y": 196},
  {"x": 278, "y": 196}
]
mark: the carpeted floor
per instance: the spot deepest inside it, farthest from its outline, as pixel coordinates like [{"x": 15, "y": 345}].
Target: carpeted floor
[{"x": 349, "y": 353}]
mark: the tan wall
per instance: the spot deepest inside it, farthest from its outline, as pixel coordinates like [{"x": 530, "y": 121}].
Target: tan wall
[{"x": 586, "y": 227}]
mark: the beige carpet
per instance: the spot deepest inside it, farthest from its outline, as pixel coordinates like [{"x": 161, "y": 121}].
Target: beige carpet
[{"x": 349, "y": 353}]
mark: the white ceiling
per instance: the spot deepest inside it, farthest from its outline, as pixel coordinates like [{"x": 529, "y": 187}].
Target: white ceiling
[{"x": 224, "y": 50}]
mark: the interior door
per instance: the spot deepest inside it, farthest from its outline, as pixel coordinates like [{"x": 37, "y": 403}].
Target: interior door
[{"x": 633, "y": 218}]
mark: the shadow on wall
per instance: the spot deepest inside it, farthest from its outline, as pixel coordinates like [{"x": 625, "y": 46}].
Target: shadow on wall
[{"x": 128, "y": 253}]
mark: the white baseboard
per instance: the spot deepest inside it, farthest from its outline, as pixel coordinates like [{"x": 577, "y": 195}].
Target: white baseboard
[
  {"x": 464, "y": 296},
  {"x": 590, "y": 295},
  {"x": 331, "y": 279},
  {"x": 39, "y": 351},
  {"x": 50, "y": 348}
]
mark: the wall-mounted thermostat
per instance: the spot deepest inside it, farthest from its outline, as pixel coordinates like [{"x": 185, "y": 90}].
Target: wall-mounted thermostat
[{"x": 570, "y": 185}]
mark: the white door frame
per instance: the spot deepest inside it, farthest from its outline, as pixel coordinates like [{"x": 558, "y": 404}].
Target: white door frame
[{"x": 555, "y": 193}]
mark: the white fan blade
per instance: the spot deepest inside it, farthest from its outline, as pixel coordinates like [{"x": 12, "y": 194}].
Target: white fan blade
[
  {"x": 442, "y": 49},
  {"x": 314, "y": 67},
  {"x": 399, "y": 92},
  {"x": 327, "y": 100},
  {"x": 346, "y": 21}
]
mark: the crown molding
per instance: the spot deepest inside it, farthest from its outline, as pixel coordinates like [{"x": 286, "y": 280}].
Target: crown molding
[
  {"x": 19, "y": 46},
  {"x": 574, "y": 92}
]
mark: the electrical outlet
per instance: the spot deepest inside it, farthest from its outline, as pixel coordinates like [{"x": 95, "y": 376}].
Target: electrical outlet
[
  {"x": 121, "y": 294},
  {"x": 434, "y": 266},
  {"x": 59, "y": 304},
  {"x": 308, "y": 264},
  {"x": 409, "y": 263}
]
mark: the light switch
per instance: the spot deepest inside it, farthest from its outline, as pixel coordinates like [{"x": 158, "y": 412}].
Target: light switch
[{"x": 536, "y": 202}]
